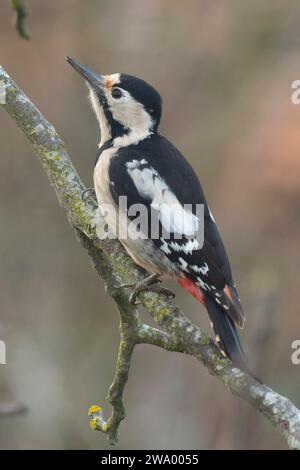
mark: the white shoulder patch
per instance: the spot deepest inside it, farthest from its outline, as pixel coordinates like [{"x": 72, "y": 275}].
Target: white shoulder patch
[
  {"x": 132, "y": 165},
  {"x": 173, "y": 216}
]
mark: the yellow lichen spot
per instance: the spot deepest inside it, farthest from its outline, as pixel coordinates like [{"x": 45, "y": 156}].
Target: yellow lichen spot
[
  {"x": 163, "y": 312},
  {"x": 93, "y": 424},
  {"x": 94, "y": 409}
]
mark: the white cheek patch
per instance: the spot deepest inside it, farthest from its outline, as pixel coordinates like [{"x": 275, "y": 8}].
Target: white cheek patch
[
  {"x": 130, "y": 113},
  {"x": 132, "y": 116},
  {"x": 172, "y": 215}
]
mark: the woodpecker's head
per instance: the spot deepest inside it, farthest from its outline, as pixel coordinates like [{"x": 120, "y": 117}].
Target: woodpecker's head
[{"x": 127, "y": 108}]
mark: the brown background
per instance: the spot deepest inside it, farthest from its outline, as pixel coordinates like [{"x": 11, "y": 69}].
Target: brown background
[{"x": 224, "y": 69}]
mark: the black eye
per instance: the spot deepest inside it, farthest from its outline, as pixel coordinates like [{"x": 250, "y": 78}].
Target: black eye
[{"x": 116, "y": 93}]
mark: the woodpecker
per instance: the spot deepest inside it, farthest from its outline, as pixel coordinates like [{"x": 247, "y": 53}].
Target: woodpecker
[{"x": 135, "y": 161}]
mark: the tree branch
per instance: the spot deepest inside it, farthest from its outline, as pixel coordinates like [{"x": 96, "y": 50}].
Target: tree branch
[{"x": 118, "y": 270}]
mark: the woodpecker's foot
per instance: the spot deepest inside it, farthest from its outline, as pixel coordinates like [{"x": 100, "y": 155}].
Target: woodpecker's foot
[
  {"x": 150, "y": 283},
  {"x": 87, "y": 194}
]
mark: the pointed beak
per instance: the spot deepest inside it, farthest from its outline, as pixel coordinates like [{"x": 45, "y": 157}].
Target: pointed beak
[{"x": 94, "y": 79}]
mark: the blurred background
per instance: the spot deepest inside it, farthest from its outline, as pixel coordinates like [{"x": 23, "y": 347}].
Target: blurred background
[{"x": 225, "y": 70}]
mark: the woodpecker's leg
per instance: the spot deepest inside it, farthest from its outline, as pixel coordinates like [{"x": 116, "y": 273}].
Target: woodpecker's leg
[
  {"x": 88, "y": 193},
  {"x": 150, "y": 283}
]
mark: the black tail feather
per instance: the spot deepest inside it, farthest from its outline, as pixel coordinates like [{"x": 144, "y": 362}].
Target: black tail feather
[{"x": 227, "y": 335}]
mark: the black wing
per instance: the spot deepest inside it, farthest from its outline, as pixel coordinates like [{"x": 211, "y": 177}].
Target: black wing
[{"x": 158, "y": 159}]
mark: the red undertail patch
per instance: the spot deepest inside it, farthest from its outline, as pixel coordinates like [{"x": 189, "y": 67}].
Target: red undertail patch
[{"x": 191, "y": 287}]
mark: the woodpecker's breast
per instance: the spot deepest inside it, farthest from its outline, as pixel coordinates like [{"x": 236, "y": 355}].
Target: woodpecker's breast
[
  {"x": 101, "y": 176},
  {"x": 102, "y": 187},
  {"x": 143, "y": 251}
]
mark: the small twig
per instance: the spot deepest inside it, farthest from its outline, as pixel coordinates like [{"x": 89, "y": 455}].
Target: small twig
[
  {"x": 128, "y": 338},
  {"x": 115, "y": 395},
  {"x": 20, "y": 9}
]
